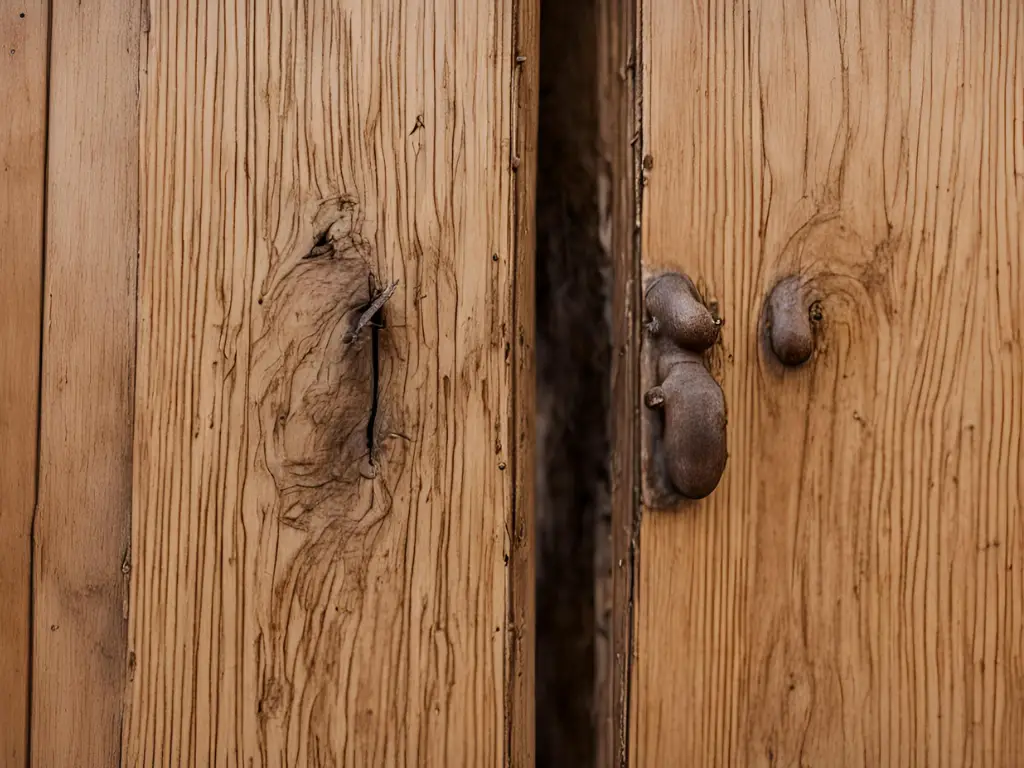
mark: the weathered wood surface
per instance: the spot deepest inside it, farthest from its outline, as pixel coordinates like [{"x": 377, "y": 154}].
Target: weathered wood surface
[
  {"x": 79, "y": 656},
  {"x": 521, "y": 656},
  {"x": 618, "y": 118},
  {"x": 850, "y": 595},
  {"x": 330, "y": 538},
  {"x": 23, "y": 31}
]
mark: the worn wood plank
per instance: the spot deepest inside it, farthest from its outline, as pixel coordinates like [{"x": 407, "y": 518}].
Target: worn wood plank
[
  {"x": 23, "y": 35},
  {"x": 81, "y": 529},
  {"x": 520, "y": 635},
  {"x": 851, "y": 594},
  {"x": 619, "y": 123},
  {"x": 318, "y": 580}
]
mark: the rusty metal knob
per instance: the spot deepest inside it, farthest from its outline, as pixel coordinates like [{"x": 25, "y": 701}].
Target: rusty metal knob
[
  {"x": 693, "y": 437},
  {"x": 792, "y": 319}
]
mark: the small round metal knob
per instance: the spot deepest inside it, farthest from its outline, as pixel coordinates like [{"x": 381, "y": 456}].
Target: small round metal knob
[{"x": 791, "y": 317}]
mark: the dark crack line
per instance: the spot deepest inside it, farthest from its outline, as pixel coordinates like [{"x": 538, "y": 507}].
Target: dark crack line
[{"x": 376, "y": 322}]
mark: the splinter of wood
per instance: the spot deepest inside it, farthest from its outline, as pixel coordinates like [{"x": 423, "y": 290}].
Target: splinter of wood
[
  {"x": 693, "y": 440},
  {"x": 790, "y": 315}
]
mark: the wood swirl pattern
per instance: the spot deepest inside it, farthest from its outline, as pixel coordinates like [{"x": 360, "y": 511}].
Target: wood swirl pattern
[{"x": 325, "y": 491}]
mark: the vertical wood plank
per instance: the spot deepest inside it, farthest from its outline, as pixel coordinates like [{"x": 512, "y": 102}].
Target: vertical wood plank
[
  {"x": 520, "y": 634},
  {"x": 331, "y": 531},
  {"x": 23, "y": 38},
  {"x": 619, "y": 123},
  {"x": 850, "y": 594},
  {"x": 87, "y": 382}
]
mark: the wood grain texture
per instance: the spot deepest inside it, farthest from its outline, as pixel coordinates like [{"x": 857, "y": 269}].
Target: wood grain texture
[
  {"x": 85, "y": 453},
  {"x": 851, "y": 594},
  {"x": 619, "y": 124},
  {"x": 23, "y": 37},
  {"x": 318, "y": 580},
  {"x": 520, "y": 641}
]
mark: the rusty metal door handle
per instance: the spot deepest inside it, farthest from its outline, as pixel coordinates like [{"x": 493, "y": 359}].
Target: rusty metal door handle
[{"x": 690, "y": 444}]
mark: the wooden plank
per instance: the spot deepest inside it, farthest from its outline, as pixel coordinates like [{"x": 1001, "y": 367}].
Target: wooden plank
[
  {"x": 323, "y": 520},
  {"x": 23, "y": 31},
  {"x": 851, "y": 593},
  {"x": 618, "y": 118},
  {"x": 81, "y": 529},
  {"x": 520, "y": 635}
]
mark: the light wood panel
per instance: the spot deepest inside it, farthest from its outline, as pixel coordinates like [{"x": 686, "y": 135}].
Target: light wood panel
[
  {"x": 330, "y": 531},
  {"x": 23, "y": 32},
  {"x": 81, "y": 528},
  {"x": 851, "y": 594}
]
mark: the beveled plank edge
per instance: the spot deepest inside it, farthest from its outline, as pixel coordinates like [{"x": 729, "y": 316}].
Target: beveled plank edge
[
  {"x": 520, "y": 636},
  {"x": 621, "y": 129}
]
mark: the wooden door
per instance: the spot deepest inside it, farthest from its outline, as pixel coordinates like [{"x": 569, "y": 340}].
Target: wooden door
[
  {"x": 852, "y": 593},
  {"x": 268, "y": 308}
]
